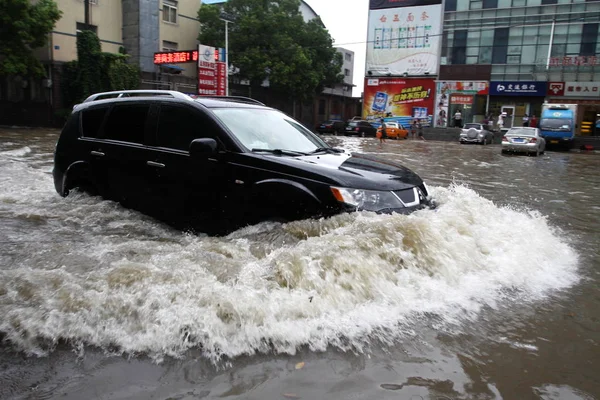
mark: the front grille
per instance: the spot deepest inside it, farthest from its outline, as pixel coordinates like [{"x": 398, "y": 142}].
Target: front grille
[{"x": 407, "y": 196}]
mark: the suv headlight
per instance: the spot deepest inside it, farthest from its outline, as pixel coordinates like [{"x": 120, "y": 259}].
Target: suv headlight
[{"x": 369, "y": 200}]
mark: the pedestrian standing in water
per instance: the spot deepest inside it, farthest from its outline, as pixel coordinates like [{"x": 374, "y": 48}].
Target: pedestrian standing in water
[
  {"x": 413, "y": 129},
  {"x": 383, "y": 133},
  {"x": 458, "y": 119},
  {"x": 420, "y": 130},
  {"x": 533, "y": 122}
]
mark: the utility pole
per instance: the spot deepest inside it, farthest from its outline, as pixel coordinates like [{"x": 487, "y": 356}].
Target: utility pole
[{"x": 227, "y": 18}]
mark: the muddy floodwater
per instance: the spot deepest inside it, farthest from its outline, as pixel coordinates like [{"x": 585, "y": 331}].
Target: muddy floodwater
[{"x": 494, "y": 294}]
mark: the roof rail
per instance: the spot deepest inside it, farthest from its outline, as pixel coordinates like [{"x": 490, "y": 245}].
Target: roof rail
[
  {"x": 137, "y": 93},
  {"x": 240, "y": 99}
]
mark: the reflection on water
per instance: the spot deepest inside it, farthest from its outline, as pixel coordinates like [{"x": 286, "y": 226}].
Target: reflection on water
[{"x": 504, "y": 238}]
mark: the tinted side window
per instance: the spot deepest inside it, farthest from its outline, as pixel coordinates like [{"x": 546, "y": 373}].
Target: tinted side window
[
  {"x": 91, "y": 120},
  {"x": 127, "y": 122},
  {"x": 178, "y": 126}
]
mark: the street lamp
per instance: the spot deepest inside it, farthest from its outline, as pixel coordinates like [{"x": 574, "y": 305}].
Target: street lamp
[{"x": 227, "y": 18}]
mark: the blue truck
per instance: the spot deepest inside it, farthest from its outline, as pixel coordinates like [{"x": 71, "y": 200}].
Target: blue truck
[{"x": 558, "y": 124}]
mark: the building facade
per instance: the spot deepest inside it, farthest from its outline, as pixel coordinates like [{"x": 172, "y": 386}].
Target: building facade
[
  {"x": 137, "y": 27},
  {"x": 511, "y": 56}
]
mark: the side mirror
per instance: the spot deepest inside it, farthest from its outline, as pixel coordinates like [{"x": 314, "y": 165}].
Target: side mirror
[{"x": 203, "y": 147}]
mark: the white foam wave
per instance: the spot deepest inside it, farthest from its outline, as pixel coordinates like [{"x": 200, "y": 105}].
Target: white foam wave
[
  {"x": 341, "y": 282},
  {"x": 23, "y": 151}
]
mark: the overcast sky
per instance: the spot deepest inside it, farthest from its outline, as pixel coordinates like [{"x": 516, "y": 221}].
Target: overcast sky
[{"x": 346, "y": 21}]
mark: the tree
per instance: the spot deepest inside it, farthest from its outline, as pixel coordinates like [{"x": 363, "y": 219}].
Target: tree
[
  {"x": 270, "y": 39},
  {"x": 24, "y": 26}
]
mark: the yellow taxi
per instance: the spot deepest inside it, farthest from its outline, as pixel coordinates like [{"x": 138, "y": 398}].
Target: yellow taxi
[{"x": 394, "y": 131}]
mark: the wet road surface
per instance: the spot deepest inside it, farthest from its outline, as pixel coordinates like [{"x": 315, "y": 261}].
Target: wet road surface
[{"x": 493, "y": 295}]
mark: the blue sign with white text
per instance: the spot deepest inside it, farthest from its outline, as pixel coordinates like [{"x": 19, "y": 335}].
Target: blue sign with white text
[{"x": 517, "y": 88}]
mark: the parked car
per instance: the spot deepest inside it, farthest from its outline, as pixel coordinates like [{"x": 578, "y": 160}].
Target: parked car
[
  {"x": 331, "y": 126},
  {"x": 394, "y": 130},
  {"x": 213, "y": 164},
  {"x": 360, "y": 128},
  {"x": 523, "y": 140},
  {"x": 476, "y": 133}
]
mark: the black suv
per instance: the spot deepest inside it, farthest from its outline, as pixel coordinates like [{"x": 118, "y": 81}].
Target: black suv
[
  {"x": 213, "y": 164},
  {"x": 360, "y": 128}
]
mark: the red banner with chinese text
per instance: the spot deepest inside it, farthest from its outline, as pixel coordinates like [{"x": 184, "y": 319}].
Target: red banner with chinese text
[{"x": 221, "y": 78}]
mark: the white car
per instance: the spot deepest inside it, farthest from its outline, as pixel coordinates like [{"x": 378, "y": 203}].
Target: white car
[
  {"x": 523, "y": 140},
  {"x": 476, "y": 133}
]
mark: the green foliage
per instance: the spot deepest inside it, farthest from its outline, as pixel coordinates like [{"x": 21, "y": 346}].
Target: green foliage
[
  {"x": 95, "y": 71},
  {"x": 270, "y": 39},
  {"x": 24, "y": 26}
]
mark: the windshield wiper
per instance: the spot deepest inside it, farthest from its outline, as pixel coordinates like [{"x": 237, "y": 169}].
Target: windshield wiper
[
  {"x": 332, "y": 150},
  {"x": 281, "y": 152}
]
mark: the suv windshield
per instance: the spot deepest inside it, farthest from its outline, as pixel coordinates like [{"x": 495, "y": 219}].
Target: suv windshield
[
  {"x": 475, "y": 126},
  {"x": 268, "y": 130},
  {"x": 555, "y": 124}
]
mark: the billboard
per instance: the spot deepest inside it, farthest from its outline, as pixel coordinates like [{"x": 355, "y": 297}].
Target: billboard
[
  {"x": 398, "y": 97},
  {"x": 377, "y": 4},
  {"x": 404, "y": 40}
]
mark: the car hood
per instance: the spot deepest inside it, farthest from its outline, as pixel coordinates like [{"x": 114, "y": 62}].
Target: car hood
[{"x": 352, "y": 170}]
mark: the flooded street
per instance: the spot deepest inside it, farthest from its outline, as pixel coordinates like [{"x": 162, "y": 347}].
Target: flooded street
[{"x": 492, "y": 295}]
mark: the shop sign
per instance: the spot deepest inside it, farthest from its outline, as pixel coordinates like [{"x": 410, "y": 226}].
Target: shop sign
[
  {"x": 517, "y": 88},
  {"x": 574, "y": 60},
  {"x": 574, "y": 89},
  {"x": 461, "y": 99}
]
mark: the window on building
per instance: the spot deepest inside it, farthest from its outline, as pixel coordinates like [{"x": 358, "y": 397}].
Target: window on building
[
  {"x": 490, "y": 3},
  {"x": 348, "y": 56},
  {"x": 94, "y": 2},
  {"x": 500, "y": 50},
  {"x": 589, "y": 39},
  {"x": 80, "y": 27},
  {"x": 450, "y": 5},
  {"x": 169, "y": 46},
  {"x": 549, "y": 2},
  {"x": 321, "y": 107},
  {"x": 459, "y": 49},
  {"x": 127, "y": 123},
  {"x": 170, "y": 11},
  {"x": 347, "y": 72}
]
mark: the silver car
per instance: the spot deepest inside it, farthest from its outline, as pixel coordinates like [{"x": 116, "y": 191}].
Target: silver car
[
  {"x": 476, "y": 133},
  {"x": 523, "y": 140}
]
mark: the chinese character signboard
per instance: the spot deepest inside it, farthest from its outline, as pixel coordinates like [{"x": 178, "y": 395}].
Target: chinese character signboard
[
  {"x": 403, "y": 40},
  {"x": 568, "y": 61},
  {"x": 174, "y": 57},
  {"x": 463, "y": 99},
  {"x": 574, "y": 89},
  {"x": 398, "y": 97},
  {"x": 517, "y": 88},
  {"x": 207, "y": 82},
  {"x": 221, "y": 77}
]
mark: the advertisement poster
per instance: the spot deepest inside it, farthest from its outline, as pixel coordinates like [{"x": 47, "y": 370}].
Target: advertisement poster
[
  {"x": 445, "y": 91},
  {"x": 397, "y": 97},
  {"x": 375, "y": 4},
  {"x": 404, "y": 40}
]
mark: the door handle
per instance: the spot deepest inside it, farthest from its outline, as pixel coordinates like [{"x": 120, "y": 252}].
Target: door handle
[
  {"x": 155, "y": 164},
  {"x": 97, "y": 153}
]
